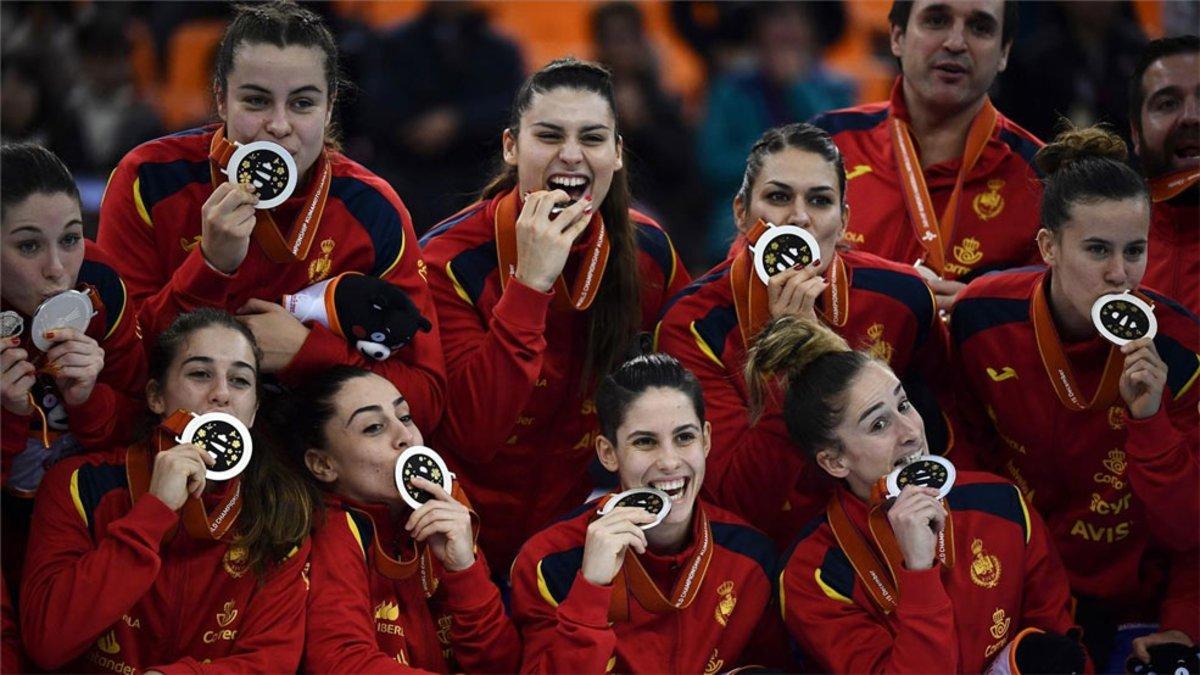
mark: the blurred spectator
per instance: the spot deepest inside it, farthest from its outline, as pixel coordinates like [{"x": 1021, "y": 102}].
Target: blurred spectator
[
  {"x": 436, "y": 99},
  {"x": 111, "y": 118},
  {"x": 788, "y": 83},
  {"x": 1077, "y": 64},
  {"x": 658, "y": 143},
  {"x": 31, "y": 108}
]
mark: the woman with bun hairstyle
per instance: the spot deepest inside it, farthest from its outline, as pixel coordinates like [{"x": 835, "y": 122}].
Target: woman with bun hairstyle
[
  {"x": 794, "y": 177},
  {"x": 543, "y": 286},
  {"x": 139, "y": 563},
  {"x": 1102, "y": 439},
  {"x": 607, "y": 589},
  {"x": 187, "y": 237},
  {"x": 392, "y": 589},
  {"x": 912, "y": 584}
]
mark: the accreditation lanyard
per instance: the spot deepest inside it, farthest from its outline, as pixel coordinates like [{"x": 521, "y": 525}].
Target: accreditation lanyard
[
  {"x": 879, "y": 577},
  {"x": 632, "y": 578},
  {"x": 421, "y": 562},
  {"x": 199, "y": 522},
  {"x": 587, "y": 278},
  {"x": 750, "y": 298},
  {"x": 934, "y": 233},
  {"x": 1170, "y": 185},
  {"x": 1058, "y": 368},
  {"x": 266, "y": 232}
]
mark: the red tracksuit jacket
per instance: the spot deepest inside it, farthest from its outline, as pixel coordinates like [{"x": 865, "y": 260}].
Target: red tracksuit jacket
[
  {"x": 151, "y": 217},
  {"x": 564, "y": 622},
  {"x": 755, "y": 471},
  {"x": 520, "y": 432},
  {"x": 1006, "y": 577},
  {"x": 103, "y": 418},
  {"x": 997, "y": 214},
  {"x": 1118, "y": 494},
  {"x": 103, "y": 592},
  {"x": 361, "y": 621},
  {"x": 1174, "y": 254}
]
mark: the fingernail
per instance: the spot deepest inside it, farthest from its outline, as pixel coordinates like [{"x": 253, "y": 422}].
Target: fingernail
[
  {"x": 587, "y": 209},
  {"x": 49, "y": 335},
  {"x": 16, "y": 340},
  {"x": 588, "y": 197}
]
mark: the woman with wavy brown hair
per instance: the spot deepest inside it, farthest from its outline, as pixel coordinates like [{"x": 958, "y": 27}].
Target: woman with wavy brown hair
[{"x": 543, "y": 284}]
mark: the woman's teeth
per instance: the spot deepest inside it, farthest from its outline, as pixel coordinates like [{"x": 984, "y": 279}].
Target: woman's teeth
[
  {"x": 674, "y": 487},
  {"x": 909, "y": 459}
]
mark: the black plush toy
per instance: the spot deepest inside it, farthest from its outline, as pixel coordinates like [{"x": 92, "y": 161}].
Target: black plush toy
[
  {"x": 375, "y": 316},
  {"x": 1167, "y": 659}
]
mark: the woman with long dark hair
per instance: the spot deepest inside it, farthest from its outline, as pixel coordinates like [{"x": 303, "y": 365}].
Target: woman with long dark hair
[
  {"x": 544, "y": 285},
  {"x": 138, "y": 562},
  {"x": 391, "y": 587}
]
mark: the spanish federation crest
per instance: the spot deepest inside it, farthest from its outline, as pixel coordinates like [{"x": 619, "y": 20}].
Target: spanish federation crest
[
  {"x": 985, "y": 568},
  {"x": 989, "y": 204}
]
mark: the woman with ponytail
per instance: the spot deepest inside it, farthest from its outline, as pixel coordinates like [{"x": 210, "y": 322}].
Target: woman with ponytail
[
  {"x": 794, "y": 179},
  {"x": 138, "y": 563},
  {"x": 905, "y": 582},
  {"x": 392, "y": 588},
  {"x": 1101, "y": 438},
  {"x": 543, "y": 286}
]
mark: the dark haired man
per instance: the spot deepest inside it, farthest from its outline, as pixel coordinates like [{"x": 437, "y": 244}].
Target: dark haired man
[
  {"x": 1164, "y": 116},
  {"x": 937, "y": 175}
]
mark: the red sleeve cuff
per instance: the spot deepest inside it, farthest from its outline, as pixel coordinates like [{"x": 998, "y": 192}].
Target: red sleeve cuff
[
  {"x": 152, "y": 517},
  {"x": 470, "y": 587},
  {"x": 1148, "y": 437},
  {"x": 321, "y": 349},
  {"x": 586, "y": 603},
  {"x": 200, "y": 282},
  {"x": 922, "y": 590},
  {"x": 523, "y": 307}
]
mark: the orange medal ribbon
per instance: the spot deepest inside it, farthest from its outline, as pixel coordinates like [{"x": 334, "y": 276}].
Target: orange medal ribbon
[
  {"x": 422, "y": 560},
  {"x": 750, "y": 293},
  {"x": 632, "y": 579},
  {"x": 879, "y": 578},
  {"x": 196, "y": 519},
  {"x": 1170, "y": 185},
  {"x": 934, "y": 233},
  {"x": 587, "y": 279},
  {"x": 1059, "y": 368},
  {"x": 266, "y": 232}
]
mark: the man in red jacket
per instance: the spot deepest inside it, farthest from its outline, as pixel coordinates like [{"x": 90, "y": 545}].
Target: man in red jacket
[
  {"x": 938, "y": 153},
  {"x": 1164, "y": 114}
]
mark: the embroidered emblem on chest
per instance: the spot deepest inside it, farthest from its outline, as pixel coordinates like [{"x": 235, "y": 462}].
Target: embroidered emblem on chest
[
  {"x": 319, "y": 269},
  {"x": 985, "y": 568},
  {"x": 989, "y": 204},
  {"x": 726, "y": 604}
]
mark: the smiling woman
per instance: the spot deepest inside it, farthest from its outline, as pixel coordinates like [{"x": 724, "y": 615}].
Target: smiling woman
[
  {"x": 642, "y": 580},
  {"x": 543, "y": 286},
  {"x": 191, "y": 237}
]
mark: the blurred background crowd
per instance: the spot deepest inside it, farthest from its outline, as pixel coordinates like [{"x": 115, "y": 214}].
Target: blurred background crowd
[{"x": 430, "y": 83}]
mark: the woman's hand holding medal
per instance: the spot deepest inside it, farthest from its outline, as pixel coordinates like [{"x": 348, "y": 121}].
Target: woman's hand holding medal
[
  {"x": 227, "y": 220},
  {"x": 178, "y": 473},
  {"x": 17, "y": 376},
  {"x": 1143, "y": 378},
  {"x": 75, "y": 361},
  {"x": 608, "y": 537},
  {"x": 794, "y": 292},
  {"x": 445, "y": 525},
  {"x": 543, "y": 244},
  {"x": 916, "y": 518}
]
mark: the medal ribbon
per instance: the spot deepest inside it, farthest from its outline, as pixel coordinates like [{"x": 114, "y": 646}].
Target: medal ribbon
[
  {"x": 1170, "y": 185},
  {"x": 1054, "y": 359},
  {"x": 879, "y": 578},
  {"x": 266, "y": 232},
  {"x": 422, "y": 560},
  {"x": 750, "y": 298},
  {"x": 587, "y": 279},
  {"x": 633, "y": 579},
  {"x": 934, "y": 234},
  {"x": 199, "y": 523}
]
